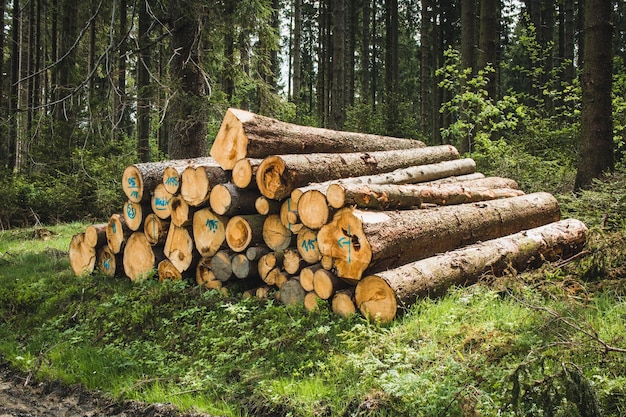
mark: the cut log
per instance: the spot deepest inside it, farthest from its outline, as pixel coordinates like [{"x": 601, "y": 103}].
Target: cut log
[
  {"x": 96, "y": 235},
  {"x": 209, "y": 231},
  {"x": 268, "y": 262},
  {"x": 306, "y": 243},
  {"x": 198, "y": 179},
  {"x": 343, "y": 303},
  {"x": 291, "y": 293},
  {"x": 313, "y": 209},
  {"x": 108, "y": 263},
  {"x": 181, "y": 214},
  {"x": 276, "y": 277},
  {"x": 134, "y": 214},
  {"x": 358, "y": 241},
  {"x": 155, "y": 229},
  {"x": 140, "y": 259},
  {"x": 485, "y": 182},
  {"x": 205, "y": 276},
  {"x": 243, "y": 231},
  {"x": 179, "y": 248},
  {"x": 243, "y": 267},
  {"x": 289, "y": 215},
  {"x": 117, "y": 233},
  {"x": 167, "y": 271},
  {"x": 306, "y": 277},
  {"x": 221, "y": 265},
  {"x": 244, "y": 173},
  {"x": 325, "y": 283},
  {"x": 139, "y": 180},
  {"x": 278, "y": 175},
  {"x": 293, "y": 262},
  {"x": 172, "y": 175},
  {"x": 275, "y": 235},
  {"x": 312, "y": 301},
  {"x": 82, "y": 255},
  {"x": 244, "y": 134},
  {"x": 160, "y": 202},
  {"x": 254, "y": 253},
  {"x": 228, "y": 200},
  {"x": 378, "y": 295},
  {"x": 265, "y": 206}
]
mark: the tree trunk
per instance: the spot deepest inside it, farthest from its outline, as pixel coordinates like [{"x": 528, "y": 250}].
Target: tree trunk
[
  {"x": 488, "y": 43},
  {"x": 297, "y": 44},
  {"x": 228, "y": 200},
  {"x": 198, "y": 179},
  {"x": 143, "y": 84},
  {"x": 377, "y": 296},
  {"x": 361, "y": 241},
  {"x": 244, "y": 230},
  {"x": 278, "y": 175},
  {"x": 139, "y": 180},
  {"x": 248, "y": 135},
  {"x": 244, "y": 172},
  {"x": 337, "y": 88},
  {"x": 209, "y": 232}
]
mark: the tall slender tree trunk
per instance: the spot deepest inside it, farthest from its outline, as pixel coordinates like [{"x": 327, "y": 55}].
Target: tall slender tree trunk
[
  {"x": 391, "y": 67},
  {"x": 297, "y": 52},
  {"x": 4, "y": 143},
  {"x": 488, "y": 42},
  {"x": 596, "y": 146},
  {"x": 365, "y": 52},
  {"x": 426, "y": 92},
  {"x": 13, "y": 139},
  {"x": 338, "y": 64},
  {"x": 143, "y": 85},
  {"x": 351, "y": 18}
]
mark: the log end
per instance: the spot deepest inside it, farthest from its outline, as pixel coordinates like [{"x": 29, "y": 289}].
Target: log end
[
  {"x": 231, "y": 141},
  {"x": 238, "y": 233},
  {"x": 132, "y": 184},
  {"x": 195, "y": 187},
  {"x": 376, "y": 299},
  {"x": 273, "y": 179}
]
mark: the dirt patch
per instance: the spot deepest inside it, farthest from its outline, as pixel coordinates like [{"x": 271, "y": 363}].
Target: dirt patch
[{"x": 21, "y": 396}]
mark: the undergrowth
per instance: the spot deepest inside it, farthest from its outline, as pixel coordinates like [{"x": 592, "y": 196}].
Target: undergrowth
[{"x": 549, "y": 342}]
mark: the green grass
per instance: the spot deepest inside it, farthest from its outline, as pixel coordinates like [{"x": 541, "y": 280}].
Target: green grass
[{"x": 549, "y": 342}]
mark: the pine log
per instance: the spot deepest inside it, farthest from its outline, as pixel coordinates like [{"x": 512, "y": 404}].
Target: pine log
[
  {"x": 278, "y": 175},
  {"x": 198, "y": 179},
  {"x": 374, "y": 241},
  {"x": 134, "y": 214},
  {"x": 265, "y": 206},
  {"x": 221, "y": 265},
  {"x": 312, "y": 301},
  {"x": 179, "y": 247},
  {"x": 467, "y": 181},
  {"x": 313, "y": 209},
  {"x": 96, "y": 235},
  {"x": 289, "y": 215},
  {"x": 276, "y": 277},
  {"x": 160, "y": 202},
  {"x": 155, "y": 229},
  {"x": 243, "y": 231},
  {"x": 117, "y": 233},
  {"x": 307, "y": 275},
  {"x": 181, "y": 214},
  {"x": 209, "y": 231},
  {"x": 139, "y": 180},
  {"x": 291, "y": 293},
  {"x": 108, "y": 263},
  {"x": 205, "y": 276},
  {"x": 432, "y": 276},
  {"x": 292, "y": 262},
  {"x": 172, "y": 175},
  {"x": 82, "y": 255},
  {"x": 254, "y": 253},
  {"x": 243, "y": 267},
  {"x": 244, "y": 173},
  {"x": 167, "y": 271},
  {"x": 325, "y": 283},
  {"x": 268, "y": 262},
  {"x": 244, "y": 134},
  {"x": 343, "y": 303},
  {"x": 275, "y": 235},
  {"x": 409, "y": 175},
  {"x": 228, "y": 200},
  {"x": 140, "y": 259},
  {"x": 306, "y": 243}
]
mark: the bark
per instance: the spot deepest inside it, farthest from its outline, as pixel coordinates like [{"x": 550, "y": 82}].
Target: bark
[
  {"x": 139, "y": 257},
  {"x": 155, "y": 229},
  {"x": 199, "y": 178},
  {"x": 227, "y": 200},
  {"x": 179, "y": 247},
  {"x": 248, "y": 135},
  {"x": 360, "y": 241},
  {"x": 476, "y": 181},
  {"x": 209, "y": 232},
  {"x": 117, "y": 233},
  {"x": 244, "y": 230},
  {"x": 434, "y": 275},
  {"x": 82, "y": 256},
  {"x": 275, "y": 235},
  {"x": 306, "y": 242},
  {"x": 244, "y": 172},
  {"x": 279, "y": 175},
  {"x": 108, "y": 263}
]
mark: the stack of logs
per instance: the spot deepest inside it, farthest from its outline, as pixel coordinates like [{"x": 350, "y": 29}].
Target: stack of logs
[{"x": 305, "y": 214}]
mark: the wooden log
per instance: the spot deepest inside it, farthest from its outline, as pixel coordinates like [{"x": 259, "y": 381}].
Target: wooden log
[
  {"x": 221, "y": 265},
  {"x": 228, "y": 200},
  {"x": 312, "y": 301},
  {"x": 358, "y": 240},
  {"x": 292, "y": 262},
  {"x": 155, "y": 229},
  {"x": 181, "y": 214},
  {"x": 275, "y": 235},
  {"x": 254, "y": 253},
  {"x": 160, "y": 202},
  {"x": 134, "y": 214},
  {"x": 179, "y": 247},
  {"x": 117, "y": 233},
  {"x": 278, "y": 175},
  {"x": 378, "y": 295},
  {"x": 205, "y": 276},
  {"x": 244, "y": 134},
  {"x": 109, "y": 263},
  {"x": 265, "y": 206},
  {"x": 198, "y": 179},
  {"x": 325, "y": 283},
  {"x": 172, "y": 175},
  {"x": 470, "y": 181},
  {"x": 306, "y": 242},
  {"x": 243, "y": 231},
  {"x": 96, "y": 235},
  {"x": 82, "y": 255},
  {"x": 313, "y": 209},
  {"x": 167, "y": 271},
  {"x": 277, "y": 277},
  {"x": 140, "y": 259},
  {"x": 343, "y": 303},
  {"x": 291, "y": 293},
  {"x": 289, "y": 215},
  {"x": 209, "y": 231},
  {"x": 244, "y": 173},
  {"x": 306, "y": 276},
  {"x": 408, "y": 175},
  {"x": 138, "y": 180},
  {"x": 268, "y": 262},
  {"x": 244, "y": 268}
]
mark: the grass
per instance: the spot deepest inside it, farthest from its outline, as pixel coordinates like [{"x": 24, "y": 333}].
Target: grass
[{"x": 549, "y": 342}]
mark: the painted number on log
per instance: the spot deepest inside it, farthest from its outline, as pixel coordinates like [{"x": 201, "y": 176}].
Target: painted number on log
[
  {"x": 107, "y": 263},
  {"x": 131, "y": 211},
  {"x": 309, "y": 244},
  {"x": 172, "y": 181},
  {"x": 212, "y": 225},
  {"x": 346, "y": 241},
  {"x": 161, "y": 203},
  {"x": 132, "y": 184}
]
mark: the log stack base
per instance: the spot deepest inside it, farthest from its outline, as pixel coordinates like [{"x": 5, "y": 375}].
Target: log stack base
[{"x": 359, "y": 223}]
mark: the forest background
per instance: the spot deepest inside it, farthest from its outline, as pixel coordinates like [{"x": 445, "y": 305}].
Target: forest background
[{"x": 93, "y": 86}]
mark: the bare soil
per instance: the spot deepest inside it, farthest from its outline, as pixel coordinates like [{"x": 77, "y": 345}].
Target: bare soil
[{"x": 22, "y": 396}]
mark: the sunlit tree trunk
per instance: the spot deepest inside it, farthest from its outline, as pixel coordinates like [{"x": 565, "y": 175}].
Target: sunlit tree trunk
[{"x": 143, "y": 85}]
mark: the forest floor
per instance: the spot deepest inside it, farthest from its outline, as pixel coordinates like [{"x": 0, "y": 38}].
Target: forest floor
[{"x": 21, "y": 396}]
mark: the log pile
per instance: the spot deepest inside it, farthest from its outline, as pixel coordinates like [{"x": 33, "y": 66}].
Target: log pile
[{"x": 314, "y": 216}]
